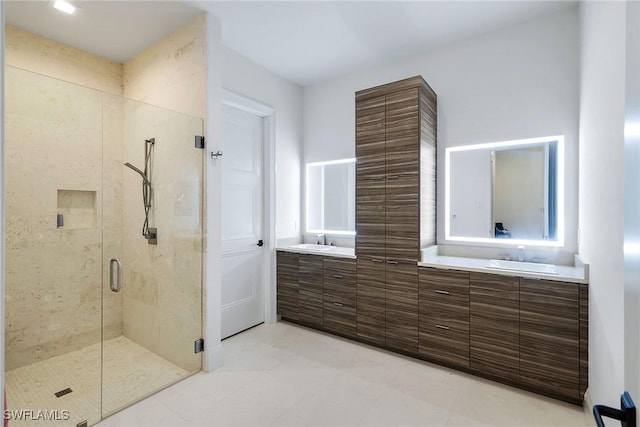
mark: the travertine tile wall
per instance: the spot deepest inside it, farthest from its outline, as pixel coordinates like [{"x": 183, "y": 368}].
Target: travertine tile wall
[
  {"x": 162, "y": 283},
  {"x": 43, "y": 56},
  {"x": 56, "y": 132},
  {"x": 162, "y": 306},
  {"x": 54, "y": 141}
]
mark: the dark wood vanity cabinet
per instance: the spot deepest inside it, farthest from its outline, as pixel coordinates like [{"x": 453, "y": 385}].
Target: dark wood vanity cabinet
[
  {"x": 310, "y": 289},
  {"x": 494, "y": 325},
  {"x": 339, "y": 296},
  {"x": 524, "y": 332},
  {"x": 530, "y": 332},
  {"x": 287, "y": 286},
  {"x": 317, "y": 291},
  {"x": 444, "y": 316},
  {"x": 550, "y": 336}
]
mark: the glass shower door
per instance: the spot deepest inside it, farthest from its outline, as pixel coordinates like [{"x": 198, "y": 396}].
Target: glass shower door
[
  {"x": 76, "y": 350},
  {"x": 54, "y": 249},
  {"x": 151, "y": 323}
]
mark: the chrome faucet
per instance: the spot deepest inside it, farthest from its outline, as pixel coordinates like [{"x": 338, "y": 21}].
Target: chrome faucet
[
  {"x": 321, "y": 239},
  {"x": 520, "y": 253}
]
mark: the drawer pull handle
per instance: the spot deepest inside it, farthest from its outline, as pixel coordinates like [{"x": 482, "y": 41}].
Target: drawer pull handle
[
  {"x": 446, "y": 328},
  {"x": 392, "y": 262},
  {"x": 376, "y": 260},
  {"x": 338, "y": 304},
  {"x": 442, "y": 292}
]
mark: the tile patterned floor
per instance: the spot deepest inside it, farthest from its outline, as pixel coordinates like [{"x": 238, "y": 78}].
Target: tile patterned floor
[
  {"x": 131, "y": 373},
  {"x": 285, "y": 375}
]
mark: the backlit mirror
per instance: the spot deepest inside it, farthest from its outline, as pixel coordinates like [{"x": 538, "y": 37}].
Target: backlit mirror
[
  {"x": 331, "y": 197},
  {"x": 509, "y": 192}
]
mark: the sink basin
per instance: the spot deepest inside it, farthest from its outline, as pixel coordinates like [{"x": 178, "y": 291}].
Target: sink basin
[
  {"x": 311, "y": 247},
  {"x": 531, "y": 267}
]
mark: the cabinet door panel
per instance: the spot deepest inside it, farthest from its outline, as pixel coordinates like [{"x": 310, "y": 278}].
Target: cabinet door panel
[
  {"x": 370, "y": 288},
  {"x": 401, "y": 311},
  {"x": 402, "y": 115},
  {"x": 287, "y": 283},
  {"x": 310, "y": 290},
  {"x": 402, "y": 213},
  {"x": 550, "y": 336},
  {"x": 370, "y": 216},
  {"x": 370, "y": 137},
  {"x": 494, "y": 325}
]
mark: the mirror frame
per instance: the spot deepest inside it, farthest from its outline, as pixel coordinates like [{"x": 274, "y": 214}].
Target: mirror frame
[
  {"x": 306, "y": 199},
  {"x": 518, "y": 143}
]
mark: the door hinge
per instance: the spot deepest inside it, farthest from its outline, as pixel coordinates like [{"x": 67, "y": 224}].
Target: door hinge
[
  {"x": 199, "y": 141},
  {"x": 198, "y": 345}
]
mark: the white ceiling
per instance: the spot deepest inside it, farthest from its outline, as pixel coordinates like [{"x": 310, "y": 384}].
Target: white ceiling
[{"x": 303, "y": 41}]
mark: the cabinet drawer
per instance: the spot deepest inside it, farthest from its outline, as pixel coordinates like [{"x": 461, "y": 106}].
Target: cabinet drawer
[
  {"x": 339, "y": 277},
  {"x": 344, "y": 299},
  {"x": 453, "y": 316},
  {"x": 445, "y": 286},
  {"x": 346, "y": 267},
  {"x": 340, "y": 318},
  {"x": 444, "y": 342}
]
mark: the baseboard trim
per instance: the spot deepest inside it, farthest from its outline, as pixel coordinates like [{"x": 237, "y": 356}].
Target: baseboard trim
[{"x": 213, "y": 357}]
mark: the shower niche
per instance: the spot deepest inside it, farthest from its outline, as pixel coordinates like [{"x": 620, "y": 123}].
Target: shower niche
[{"x": 76, "y": 209}]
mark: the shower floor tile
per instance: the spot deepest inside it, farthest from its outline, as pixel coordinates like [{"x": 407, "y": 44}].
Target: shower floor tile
[{"x": 131, "y": 372}]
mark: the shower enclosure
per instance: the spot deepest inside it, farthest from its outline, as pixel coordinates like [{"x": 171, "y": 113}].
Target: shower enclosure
[{"x": 76, "y": 348}]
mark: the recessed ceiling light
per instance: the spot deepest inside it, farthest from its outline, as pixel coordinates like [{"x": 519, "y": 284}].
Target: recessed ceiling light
[{"x": 65, "y": 7}]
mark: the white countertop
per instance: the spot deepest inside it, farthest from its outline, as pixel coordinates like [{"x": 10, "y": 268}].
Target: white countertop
[
  {"x": 325, "y": 250},
  {"x": 576, "y": 274}
]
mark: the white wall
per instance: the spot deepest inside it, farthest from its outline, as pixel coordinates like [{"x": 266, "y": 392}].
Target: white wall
[
  {"x": 518, "y": 82},
  {"x": 602, "y": 191},
  {"x": 244, "y": 77},
  {"x": 632, "y": 204},
  {"x": 214, "y": 356}
]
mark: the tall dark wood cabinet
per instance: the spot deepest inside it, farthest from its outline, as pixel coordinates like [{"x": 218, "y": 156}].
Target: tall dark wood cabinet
[{"x": 395, "y": 207}]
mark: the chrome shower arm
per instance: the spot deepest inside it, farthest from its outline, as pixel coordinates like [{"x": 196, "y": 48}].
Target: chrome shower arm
[{"x": 146, "y": 180}]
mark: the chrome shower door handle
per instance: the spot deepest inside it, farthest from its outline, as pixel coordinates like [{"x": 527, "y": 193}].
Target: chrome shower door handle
[{"x": 115, "y": 277}]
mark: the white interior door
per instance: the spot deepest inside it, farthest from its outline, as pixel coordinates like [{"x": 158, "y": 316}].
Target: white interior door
[{"x": 242, "y": 218}]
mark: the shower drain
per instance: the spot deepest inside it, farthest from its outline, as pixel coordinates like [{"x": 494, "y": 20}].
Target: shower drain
[{"x": 63, "y": 392}]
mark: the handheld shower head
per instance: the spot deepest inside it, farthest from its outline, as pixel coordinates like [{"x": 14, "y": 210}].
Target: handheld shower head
[{"x": 144, "y": 178}]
